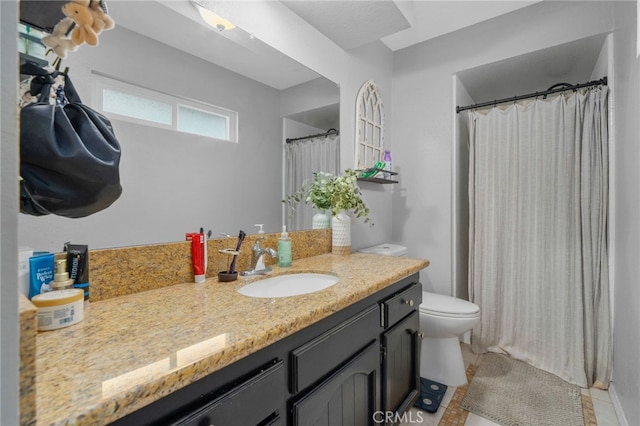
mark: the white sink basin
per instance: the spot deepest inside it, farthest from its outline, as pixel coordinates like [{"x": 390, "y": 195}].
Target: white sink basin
[{"x": 288, "y": 285}]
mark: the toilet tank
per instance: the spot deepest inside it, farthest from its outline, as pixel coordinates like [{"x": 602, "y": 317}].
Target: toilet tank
[{"x": 387, "y": 250}]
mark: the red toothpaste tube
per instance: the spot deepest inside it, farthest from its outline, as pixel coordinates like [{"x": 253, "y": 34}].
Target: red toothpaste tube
[{"x": 198, "y": 255}]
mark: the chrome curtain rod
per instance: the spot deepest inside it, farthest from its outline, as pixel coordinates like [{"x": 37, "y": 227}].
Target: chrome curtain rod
[
  {"x": 550, "y": 90},
  {"x": 327, "y": 133}
]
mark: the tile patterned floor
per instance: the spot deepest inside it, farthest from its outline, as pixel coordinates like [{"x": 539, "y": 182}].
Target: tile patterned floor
[{"x": 597, "y": 406}]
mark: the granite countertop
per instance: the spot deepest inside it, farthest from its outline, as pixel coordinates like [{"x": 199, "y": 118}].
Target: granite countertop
[{"x": 132, "y": 350}]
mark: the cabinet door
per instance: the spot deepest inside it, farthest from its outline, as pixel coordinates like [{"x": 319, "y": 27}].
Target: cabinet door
[
  {"x": 401, "y": 365},
  {"x": 349, "y": 397},
  {"x": 317, "y": 358},
  {"x": 400, "y": 305},
  {"x": 251, "y": 403}
]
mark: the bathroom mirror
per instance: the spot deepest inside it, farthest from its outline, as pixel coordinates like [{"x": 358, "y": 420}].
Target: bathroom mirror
[{"x": 175, "y": 183}]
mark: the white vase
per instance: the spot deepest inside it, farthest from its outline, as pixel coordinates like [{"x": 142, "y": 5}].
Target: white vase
[
  {"x": 341, "y": 233},
  {"x": 321, "y": 220}
]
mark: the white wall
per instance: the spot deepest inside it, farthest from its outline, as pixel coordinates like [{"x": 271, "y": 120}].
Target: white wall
[
  {"x": 175, "y": 182},
  {"x": 9, "y": 356}
]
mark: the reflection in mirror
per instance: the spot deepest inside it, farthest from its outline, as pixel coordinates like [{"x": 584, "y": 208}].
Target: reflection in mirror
[
  {"x": 306, "y": 159},
  {"x": 175, "y": 182}
]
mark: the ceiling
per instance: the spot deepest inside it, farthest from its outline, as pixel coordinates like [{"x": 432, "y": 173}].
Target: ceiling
[
  {"x": 398, "y": 24},
  {"x": 351, "y": 24},
  {"x": 348, "y": 23},
  {"x": 178, "y": 24}
]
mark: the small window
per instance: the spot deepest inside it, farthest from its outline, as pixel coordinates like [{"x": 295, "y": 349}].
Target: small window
[
  {"x": 134, "y": 106},
  {"x": 144, "y": 106},
  {"x": 201, "y": 122}
]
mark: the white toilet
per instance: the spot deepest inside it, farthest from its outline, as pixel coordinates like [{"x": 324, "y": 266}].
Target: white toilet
[{"x": 442, "y": 320}]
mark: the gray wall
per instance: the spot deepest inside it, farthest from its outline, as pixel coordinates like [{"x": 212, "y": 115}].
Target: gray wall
[
  {"x": 373, "y": 61},
  {"x": 424, "y": 110},
  {"x": 349, "y": 69},
  {"x": 460, "y": 197},
  {"x": 295, "y": 129},
  {"x": 174, "y": 182},
  {"x": 424, "y": 113},
  {"x": 308, "y": 96},
  {"x": 9, "y": 361},
  {"x": 626, "y": 231}
]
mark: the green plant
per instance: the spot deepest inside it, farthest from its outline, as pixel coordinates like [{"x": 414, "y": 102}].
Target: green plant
[
  {"x": 314, "y": 193},
  {"x": 329, "y": 192},
  {"x": 344, "y": 194},
  {"x": 318, "y": 193}
]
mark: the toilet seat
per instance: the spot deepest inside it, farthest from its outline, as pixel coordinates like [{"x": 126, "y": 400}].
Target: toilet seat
[{"x": 447, "y": 306}]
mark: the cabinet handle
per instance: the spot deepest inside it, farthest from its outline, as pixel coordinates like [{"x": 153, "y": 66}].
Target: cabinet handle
[{"x": 408, "y": 302}]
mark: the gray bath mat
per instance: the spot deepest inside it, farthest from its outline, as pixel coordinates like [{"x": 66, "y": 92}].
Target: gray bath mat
[{"x": 511, "y": 392}]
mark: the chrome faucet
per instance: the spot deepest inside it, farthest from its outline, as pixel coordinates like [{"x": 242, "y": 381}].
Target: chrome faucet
[{"x": 257, "y": 259}]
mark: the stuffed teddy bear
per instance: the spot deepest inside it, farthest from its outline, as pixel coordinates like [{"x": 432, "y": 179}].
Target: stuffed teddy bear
[
  {"x": 58, "y": 40},
  {"x": 83, "y": 18},
  {"x": 78, "y": 15},
  {"x": 101, "y": 21}
]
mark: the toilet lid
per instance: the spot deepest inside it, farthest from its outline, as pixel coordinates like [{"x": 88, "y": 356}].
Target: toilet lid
[
  {"x": 387, "y": 250},
  {"x": 447, "y": 305}
]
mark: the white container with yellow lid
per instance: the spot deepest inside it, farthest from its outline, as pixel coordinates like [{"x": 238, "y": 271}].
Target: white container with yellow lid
[{"x": 60, "y": 308}]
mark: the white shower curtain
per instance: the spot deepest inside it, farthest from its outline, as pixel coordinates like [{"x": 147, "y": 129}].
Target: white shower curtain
[
  {"x": 302, "y": 159},
  {"x": 538, "y": 194}
]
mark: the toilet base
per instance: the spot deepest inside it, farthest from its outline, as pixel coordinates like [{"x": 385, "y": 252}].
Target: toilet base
[{"x": 441, "y": 361}]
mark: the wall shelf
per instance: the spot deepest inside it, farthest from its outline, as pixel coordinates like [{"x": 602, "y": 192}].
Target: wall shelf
[{"x": 380, "y": 180}]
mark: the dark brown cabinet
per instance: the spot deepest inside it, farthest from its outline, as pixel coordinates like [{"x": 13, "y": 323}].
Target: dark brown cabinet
[
  {"x": 318, "y": 357},
  {"x": 397, "y": 365},
  {"x": 253, "y": 402},
  {"x": 349, "y": 397},
  {"x": 400, "y": 365}
]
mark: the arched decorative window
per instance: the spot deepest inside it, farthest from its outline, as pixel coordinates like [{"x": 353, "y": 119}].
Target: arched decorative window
[{"x": 369, "y": 126}]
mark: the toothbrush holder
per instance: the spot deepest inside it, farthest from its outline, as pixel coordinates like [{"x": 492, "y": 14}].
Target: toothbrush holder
[{"x": 226, "y": 276}]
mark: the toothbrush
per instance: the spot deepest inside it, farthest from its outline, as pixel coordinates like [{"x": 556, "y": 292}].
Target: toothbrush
[{"x": 241, "y": 236}]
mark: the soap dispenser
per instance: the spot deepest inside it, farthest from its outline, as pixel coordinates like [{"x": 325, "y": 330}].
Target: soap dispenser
[
  {"x": 284, "y": 248},
  {"x": 61, "y": 280}
]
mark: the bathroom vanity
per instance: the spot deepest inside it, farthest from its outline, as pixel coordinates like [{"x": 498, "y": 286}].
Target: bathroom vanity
[
  {"x": 348, "y": 366},
  {"x": 204, "y": 354}
]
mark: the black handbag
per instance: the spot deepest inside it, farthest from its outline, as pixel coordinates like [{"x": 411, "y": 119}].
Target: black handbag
[{"x": 69, "y": 155}]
